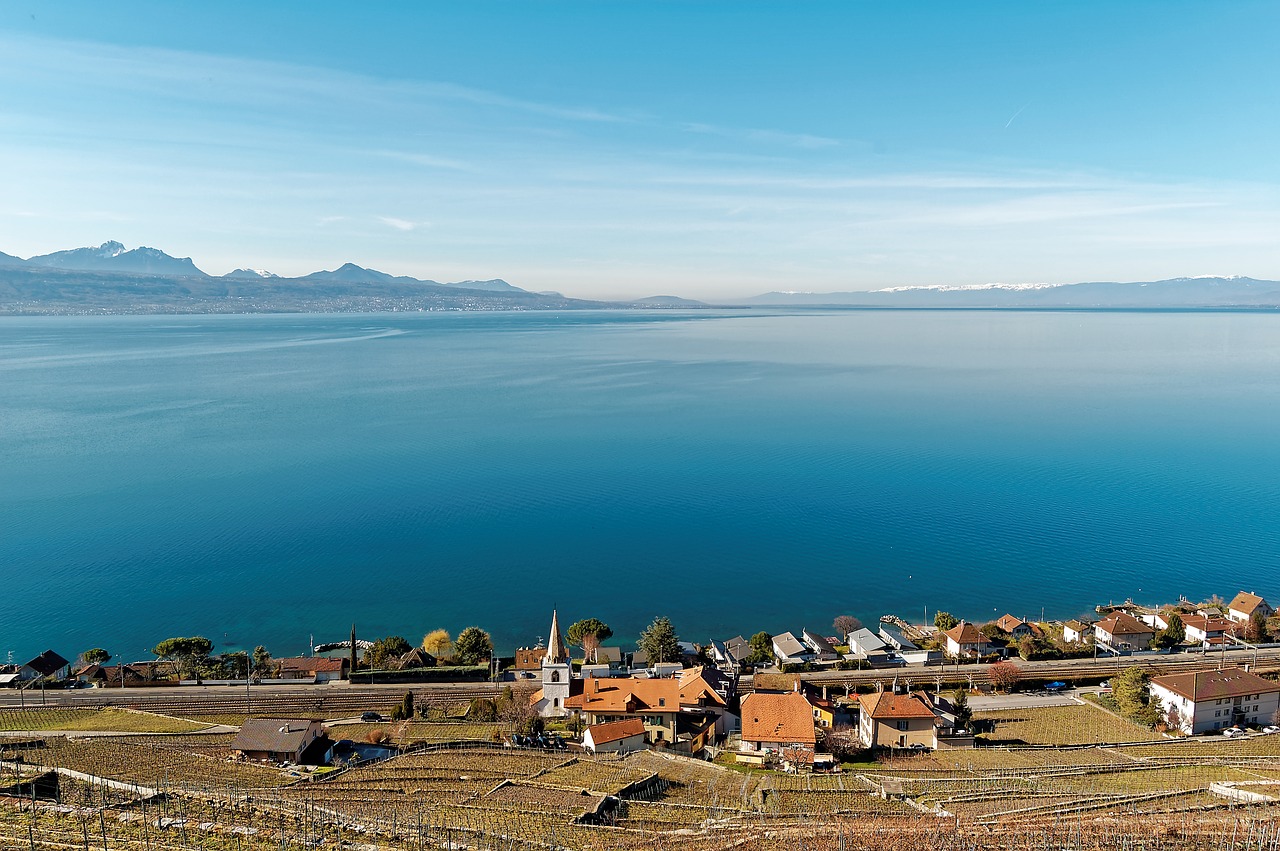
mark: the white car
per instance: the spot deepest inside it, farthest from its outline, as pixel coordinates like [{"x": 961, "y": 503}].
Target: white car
[
  {"x": 1233, "y": 733},
  {"x": 1272, "y": 729}
]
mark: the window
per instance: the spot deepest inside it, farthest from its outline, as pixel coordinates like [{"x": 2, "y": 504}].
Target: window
[
  {"x": 555, "y": 676},
  {"x": 662, "y": 701},
  {"x": 903, "y": 725}
]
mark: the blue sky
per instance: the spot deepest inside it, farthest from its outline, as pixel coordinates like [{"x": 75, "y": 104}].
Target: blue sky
[{"x": 611, "y": 150}]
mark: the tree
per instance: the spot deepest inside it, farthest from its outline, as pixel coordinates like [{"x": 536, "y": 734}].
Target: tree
[
  {"x": 846, "y": 624},
  {"x": 1027, "y": 648},
  {"x": 386, "y": 650},
  {"x": 438, "y": 644},
  {"x": 482, "y": 709},
  {"x": 95, "y": 656},
  {"x": 843, "y": 742},
  {"x": 1172, "y": 635},
  {"x": 1004, "y": 675},
  {"x": 1129, "y": 690},
  {"x": 1173, "y": 718},
  {"x": 761, "y": 648},
  {"x": 1255, "y": 630},
  {"x": 964, "y": 714},
  {"x": 588, "y": 634},
  {"x": 189, "y": 653},
  {"x": 405, "y": 708},
  {"x": 473, "y": 646},
  {"x": 660, "y": 642},
  {"x": 261, "y": 660},
  {"x": 234, "y": 665},
  {"x": 944, "y": 621}
]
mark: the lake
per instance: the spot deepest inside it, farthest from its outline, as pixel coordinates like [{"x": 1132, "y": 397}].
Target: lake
[{"x": 265, "y": 479}]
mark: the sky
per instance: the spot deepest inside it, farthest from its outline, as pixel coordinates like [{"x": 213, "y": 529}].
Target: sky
[{"x": 618, "y": 150}]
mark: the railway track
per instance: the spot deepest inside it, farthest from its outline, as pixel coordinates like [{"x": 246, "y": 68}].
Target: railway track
[{"x": 1067, "y": 670}]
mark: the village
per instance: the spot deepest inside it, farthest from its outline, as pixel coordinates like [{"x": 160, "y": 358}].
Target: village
[
  {"x": 773, "y": 701},
  {"x": 938, "y": 732}
]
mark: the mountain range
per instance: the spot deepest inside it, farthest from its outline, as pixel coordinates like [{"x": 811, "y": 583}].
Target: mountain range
[
  {"x": 1205, "y": 291},
  {"x": 110, "y": 278}
]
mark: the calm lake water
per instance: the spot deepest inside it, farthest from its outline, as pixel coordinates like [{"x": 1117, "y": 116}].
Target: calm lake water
[{"x": 262, "y": 479}]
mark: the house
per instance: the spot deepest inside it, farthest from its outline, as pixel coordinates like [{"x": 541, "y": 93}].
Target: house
[
  {"x": 1074, "y": 631},
  {"x": 1016, "y": 627},
  {"x": 607, "y": 655},
  {"x": 778, "y": 724},
  {"x": 791, "y": 650},
  {"x": 700, "y": 698},
  {"x": 656, "y": 701},
  {"x": 867, "y": 646},
  {"x": 110, "y": 676},
  {"x": 1245, "y": 604},
  {"x": 614, "y": 736},
  {"x": 824, "y": 650},
  {"x": 1122, "y": 631},
  {"x": 299, "y": 741},
  {"x": 1209, "y": 630},
  {"x": 890, "y": 720},
  {"x": 739, "y": 648},
  {"x": 415, "y": 658},
  {"x": 320, "y": 669},
  {"x": 1204, "y": 701},
  {"x": 726, "y": 659},
  {"x": 47, "y": 664},
  {"x": 824, "y": 710},
  {"x": 963, "y": 639},
  {"x": 906, "y": 649},
  {"x": 530, "y": 658}
]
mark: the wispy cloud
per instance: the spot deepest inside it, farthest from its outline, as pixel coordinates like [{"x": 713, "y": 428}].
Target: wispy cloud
[
  {"x": 401, "y": 224},
  {"x": 806, "y": 141},
  {"x": 427, "y": 160}
]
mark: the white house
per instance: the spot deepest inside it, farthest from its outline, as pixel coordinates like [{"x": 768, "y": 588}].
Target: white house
[
  {"x": 1124, "y": 632},
  {"x": 1016, "y": 627},
  {"x": 1204, "y": 701},
  {"x": 823, "y": 650},
  {"x": 964, "y": 639},
  {"x": 1208, "y": 630},
  {"x": 791, "y": 650},
  {"x": 865, "y": 644},
  {"x": 615, "y": 736},
  {"x": 1074, "y": 632},
  {"x": 1245, "y": 604}
]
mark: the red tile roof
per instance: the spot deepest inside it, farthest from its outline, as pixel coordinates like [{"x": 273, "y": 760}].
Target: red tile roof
[
  {"x": 783, "y": 717},
  {"x": 1245, "y": 603},
  {"x": 886, "y": 704},
  {"x": 1212, "y": 685},
  {"x": 1123, "y": 623},
  {"x": 1207, "y": 624},
  {"x": 696, "y": 691},
  {"x": 1009, "y": 623},
  {"x": 627, "y": 695},
  {"x": 603, "y": 734},
  {"x": 965, "y": 633}
]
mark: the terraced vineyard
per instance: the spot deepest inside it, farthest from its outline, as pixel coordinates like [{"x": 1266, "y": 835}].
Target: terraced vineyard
[{"x": 1151, "y": 796}]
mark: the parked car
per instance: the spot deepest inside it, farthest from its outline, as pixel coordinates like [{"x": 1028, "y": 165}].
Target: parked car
[
  {"x": 1234, "y": 733},
  {"x": 1271, "y": 729},
  {"x": 372, "y": 717}
]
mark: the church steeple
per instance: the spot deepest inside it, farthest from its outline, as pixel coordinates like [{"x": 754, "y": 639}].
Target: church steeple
[{"x": 557, "y": 653}]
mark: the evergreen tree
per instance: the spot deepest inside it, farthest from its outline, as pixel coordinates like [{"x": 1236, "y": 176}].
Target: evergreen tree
[
  {"x": 473, "y": 646},
  {"x": 660, "y": 642}
]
